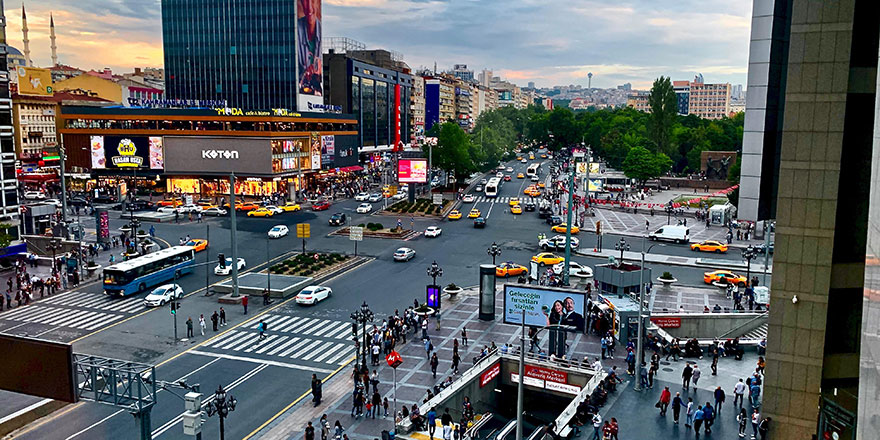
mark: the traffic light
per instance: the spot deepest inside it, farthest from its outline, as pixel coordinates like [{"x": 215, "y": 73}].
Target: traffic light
[
  {"x": 173, "y": 307},
  {"x": 354, "y": 329},
  {"x": 598, "y": 227},
  {"x": 222, "y": 259}
]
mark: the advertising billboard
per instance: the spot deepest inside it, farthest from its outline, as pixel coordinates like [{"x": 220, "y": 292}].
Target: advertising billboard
[
  {"x": 309, "y": 66},
  {"x": 544, "y": 306},
  {"x": 34, "y": 81},
  {"x": 412, "y": 170},
  {"x": 37, "y": 368},
  {"x": 315, "y": 150},
  {"x": 328, "y": 148},
  {"x": 217, "y": 156},
  {"x": 127, "y": 152}
]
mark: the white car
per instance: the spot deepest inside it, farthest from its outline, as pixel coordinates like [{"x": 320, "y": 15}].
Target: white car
[
  {"x": 483, "y": 181},
  {"x": 55, "y": 202},
  {"x": 375, "y": 197},
  {"x": 163, "y": 294},
  {"x": 312, "y": 294},
  {"x": 574, "y": 270},
  {"x": 34, "y": 195},
  {"x": 557, "y": 242},
  {"x": 404, "y": 254},
  {"x": 364, "y": 208},
  {"x": 362, "y": 197},
  {"x": 275, "y": 209},
  {"x": 525, "y": 161},
  {"x": 278, "y": 231},
  {"x": 228, "y": 269},
  {"x": 509, "y": 169},
  {"x": 189, "y": 208},
  {"x": 479, "y": 188},
  {"x": 215, "y": 211},
  {"x": 168, "y": 209},
  {"x": 433, "y": 231},
  {"x": 535, "y": 179},
  {"x": 399, "y": 196},
  {"x": 468, "y": 198},
  {"x": 499, "y": 175}
]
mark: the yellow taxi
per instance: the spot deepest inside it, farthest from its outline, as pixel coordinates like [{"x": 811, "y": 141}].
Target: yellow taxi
[
  {"x": 516, "y": 209},
  {"x": 541, "y": 185},
  {"x": 291, "y": 207},
  {"x": 520, "y": 176},
  {"x": 198, "y": 244},
  {"x": 510, "y": 269},
  {"x": 724, "y": 276},
  {"x": 206, "y": 205},
  {"x": 518, "y": 158},
  {"x": 531, "y": 157},
  {"x": 513, "y": 201},
  {"x": 386, "y": 193},
  {"x": 528, "y": 189},
  {"x": 546, "y": 258},
  {"x": 260, "y": 212},
  {"x": 709, "y": 246},
  {"x": 543, "y": 156},
  {"x": 474, "y": 213},
  {"x": 534, "y": 192},
  {"x": 454, "y": 215},
  {"x": 561, "y": 228}
]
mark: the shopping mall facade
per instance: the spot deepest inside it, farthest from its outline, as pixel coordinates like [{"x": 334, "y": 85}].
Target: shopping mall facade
[{"x": 194, "y": 150}]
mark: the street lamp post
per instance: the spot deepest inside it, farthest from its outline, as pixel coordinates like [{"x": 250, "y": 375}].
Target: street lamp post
[
  {"x": 362, "y": 316},
  {"x": 640, "y": 344},
  {"x": 621, "y": 246},
  {"x": 494, "y": 251},
  {"x": 749, "y": 254},
  {"x": 222, "y": 405},
  {"x": 434, "y": 271},
  {"x": 668, "y": 210}
]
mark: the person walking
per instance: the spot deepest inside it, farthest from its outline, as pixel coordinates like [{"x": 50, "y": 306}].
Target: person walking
[
  {"x": 316, "y": 389},
  {"x": 695, "y": 376},
  {"x": 215, "y": 320},
  {"x": 686, "y": 376},
  {"x": 755, "y": 394},
  {"x": 202, "y": 325},
  {"x": 676, "y": 407},
  {"x": 325, "y": 427},
  {"x": 739, "y": 390},
  {"x": 432, "y": 421},
  {"x": 189, "y": 327},
  {"x": 756, "y": 420},
  {"x": 464, "y": 341},
  {"x": 222, "y": 317},
  {"x": 743, "y": 420},
  {"x": 719, "y": 399},
  {"x": 244, "y": 303},
  {"x": 597, "y": 425},
  {"x": 261, "y": 327},
  {"x": 698, "y": 420},
  {"x": 708, "y": 417},
  {"x": 434, "y": 363},
  {"x": 429, "y": 347},
  {"x": 376, "y": 403},
  {"x": 663, "y": 403},
  {"x": 643, "y": 377},
  {"x": 338, "y": 430},
  {"x": 689, "y": 413},
  {"x": 455, "y": 360},
  {"x": 424, "y": 328},
  {"x": 764, "y": 427}
]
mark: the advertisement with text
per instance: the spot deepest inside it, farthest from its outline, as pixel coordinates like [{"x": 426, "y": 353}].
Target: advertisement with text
[
  {"x": 309, "y": 59},
  {"x": 127, "y": 152},
  {"x": 412, "y": 170},
  {"x": 544, "y": 306}
]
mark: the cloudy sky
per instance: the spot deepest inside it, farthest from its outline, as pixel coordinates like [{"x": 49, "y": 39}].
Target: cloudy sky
[{"x": 550, "y": 42}]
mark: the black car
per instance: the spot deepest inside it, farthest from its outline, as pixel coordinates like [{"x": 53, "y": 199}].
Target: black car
[
  {"x": 544, "y": 212},
  {"x": 77, "y": 201},
  {"x": 479, "y": 222},
  {"x": 529, "y": 206},
  {"x": 761, "y": 248},
  {"x": 337, "y": 219},
  {"x": 138, "y": 205},
  {"x": 105, "y": 198},
  {"x": 554, "y": 220}
]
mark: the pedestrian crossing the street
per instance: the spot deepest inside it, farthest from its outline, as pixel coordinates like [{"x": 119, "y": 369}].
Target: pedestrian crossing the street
[{"x": 291, "y": 339}]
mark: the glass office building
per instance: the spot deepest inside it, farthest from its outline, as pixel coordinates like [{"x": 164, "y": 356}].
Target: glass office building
[{"x": 240, "y": 51}]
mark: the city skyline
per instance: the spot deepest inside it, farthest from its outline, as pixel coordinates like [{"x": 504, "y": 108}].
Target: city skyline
[{"x": 122, "y": 34}]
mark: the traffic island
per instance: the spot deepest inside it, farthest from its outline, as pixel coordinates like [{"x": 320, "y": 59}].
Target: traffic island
[
  {"x": 378, "y": 231},
  {"x": 254, "y": 284},
  {"x": 419, "y": 208},
  {"x": 310, "y": 264}
]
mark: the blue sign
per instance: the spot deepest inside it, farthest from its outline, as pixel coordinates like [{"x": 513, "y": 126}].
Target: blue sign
[{"x": 433, "y": 296}]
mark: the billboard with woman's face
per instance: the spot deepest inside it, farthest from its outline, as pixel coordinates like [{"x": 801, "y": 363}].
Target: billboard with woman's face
[{"x": 310, "y": 89}]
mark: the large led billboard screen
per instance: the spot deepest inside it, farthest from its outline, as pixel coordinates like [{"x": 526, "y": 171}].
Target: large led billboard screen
[
  {"x": 544, "y": 306},
  {"x": 412, "y": 170}
]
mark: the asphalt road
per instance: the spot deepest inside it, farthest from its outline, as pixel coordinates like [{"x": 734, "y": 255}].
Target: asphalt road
[{"x": 265, "y": 376}]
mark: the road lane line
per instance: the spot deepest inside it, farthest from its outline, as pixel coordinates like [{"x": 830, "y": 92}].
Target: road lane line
[
  {"x": 283, "y": 346},
  {"x": 340, "y": 355},
  {"x": 329, "y": 352},
  {"x": 259, "y": 343},
  {"x": 295, "y": 347},
  {"x": 314, "y": 344},
  {"x": 276, "y": 342},
  {"x": 318, "y": 350},
  {"x": 289, "y": 325}
]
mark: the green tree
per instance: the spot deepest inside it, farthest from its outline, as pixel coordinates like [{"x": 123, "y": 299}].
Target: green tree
[
  {"x": 5, "y": 237},
  {"x": 664, "y": 111},
  {"x": 643, "y": 165},
  {"x": 453, "y": 152}
]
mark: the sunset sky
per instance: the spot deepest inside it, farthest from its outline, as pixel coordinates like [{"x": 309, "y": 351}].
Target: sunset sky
[{"x": 550, "y": 42}]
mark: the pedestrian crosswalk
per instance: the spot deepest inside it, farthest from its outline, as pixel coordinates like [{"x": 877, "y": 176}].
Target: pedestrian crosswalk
[
  {"x": 97, "y": 301},
  {"x": 291, "y": 338},
  {"x": 75, "y": 309},
  {"x": 482, "y": 199}
]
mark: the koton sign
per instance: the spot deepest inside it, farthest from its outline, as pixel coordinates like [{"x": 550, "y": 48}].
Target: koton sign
[
  {"x": 219, "y": 154},
  {"x": 490, "y": 374}
]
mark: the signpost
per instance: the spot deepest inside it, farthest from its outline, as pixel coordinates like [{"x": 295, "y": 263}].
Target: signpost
[
  {"x": 438, "y": 199},
  {"x": 304, "y": 231},
  {"x": 356, "y": 234},
  {"x": 394, "y": 360}
]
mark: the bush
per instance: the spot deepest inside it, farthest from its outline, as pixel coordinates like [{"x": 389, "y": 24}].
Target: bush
[
  {"x": 335, "y": 256},
  {"x": 667, "y": 276},
  {"x": 361, "y": 225}
]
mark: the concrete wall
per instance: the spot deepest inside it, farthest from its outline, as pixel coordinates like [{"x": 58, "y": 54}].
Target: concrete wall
[{"x": 711, "y": 325}]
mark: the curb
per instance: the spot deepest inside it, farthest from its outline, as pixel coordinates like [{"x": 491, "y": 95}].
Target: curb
[
  {"x": 26, "y": 416},
  {"x": 674, "y": 263}
]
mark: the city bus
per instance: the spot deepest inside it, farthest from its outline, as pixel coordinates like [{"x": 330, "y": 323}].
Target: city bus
[
  {"x": 532, "y": 170},
  {"x": 138, "y": 274},
  {"x": 492, "y": 187}
]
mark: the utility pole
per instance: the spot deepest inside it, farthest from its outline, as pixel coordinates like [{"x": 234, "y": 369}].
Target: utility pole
[
  {"x": 568, "y": 221},
  {"x": 63, "y": 183},
  {"x": 232, "y": 216},
  {"x": 522, "y": 373}
]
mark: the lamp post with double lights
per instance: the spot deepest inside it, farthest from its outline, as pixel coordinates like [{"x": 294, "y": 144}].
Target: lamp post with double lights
[
  {"x": 749, "y": 254},
  {"x": 362, "y": 316},
  {"x": 494, "y": 251},
  {"x": 222, "y": 405},
  {"x": 54, "y": 245},
  {"x": 434, "y": 271},
  {"x": 621, "y": 246}
]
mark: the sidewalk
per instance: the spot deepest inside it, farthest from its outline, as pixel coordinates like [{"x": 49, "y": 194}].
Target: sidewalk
[
  {"x": 414, "y": 376},
  {"x": 709, "y": 263}
]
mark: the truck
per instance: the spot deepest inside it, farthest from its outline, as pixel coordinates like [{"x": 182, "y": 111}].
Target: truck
[{"x": 673, "y": 233}]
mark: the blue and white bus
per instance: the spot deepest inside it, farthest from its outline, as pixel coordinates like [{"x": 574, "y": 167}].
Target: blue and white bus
[{"x": 138, "y": 274}]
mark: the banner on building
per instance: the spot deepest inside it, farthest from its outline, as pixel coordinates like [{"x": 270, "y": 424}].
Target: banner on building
[
  {"x": 127, "y": 152},
  {"x": 397, "y": 117},
  {"x": 315, "y": 150},
  {"x": 309, "y": 56},
  {"x": 34, "y": 81},
  {"x": 328, "y": 149}
]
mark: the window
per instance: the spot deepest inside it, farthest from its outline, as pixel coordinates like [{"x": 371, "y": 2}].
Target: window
[{"x": 369, "y": 112}]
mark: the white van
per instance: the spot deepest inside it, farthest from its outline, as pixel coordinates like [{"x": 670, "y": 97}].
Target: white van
[{"x": 675, "y": 233}]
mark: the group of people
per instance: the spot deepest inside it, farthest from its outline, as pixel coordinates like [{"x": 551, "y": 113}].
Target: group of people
[
  {"x": 23, "y": 287},
  {"x": 218, "y": 319}
]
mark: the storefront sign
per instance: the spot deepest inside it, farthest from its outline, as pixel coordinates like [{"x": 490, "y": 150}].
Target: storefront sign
[
  {"x": 176, "y": 103},
  {"x": 127, "y": 152},
  {"x": 490, "y": 374},
  {"x": 325, "y": 108},
  {"x": 212, "y": 155},
  {"x": 666, "y": 321},
  {"x": 546, "y": 374}
]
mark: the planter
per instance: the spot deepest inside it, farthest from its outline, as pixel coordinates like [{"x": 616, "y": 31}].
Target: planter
[
  {"x": 142, "y": 235},
  {"x": 429, "y": 312},
  {"x": 92, "y": 269},
  {"x": 452, "y": 291},
  {"x": 667, "y": 281}
]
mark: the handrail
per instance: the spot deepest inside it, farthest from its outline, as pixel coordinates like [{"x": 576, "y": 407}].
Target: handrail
[
  {"x": 538, "y": 430},
  {"x": 510, "y": 426},
  {"x": 763, "y": 315},
  {"x": 477, "y": 426}
]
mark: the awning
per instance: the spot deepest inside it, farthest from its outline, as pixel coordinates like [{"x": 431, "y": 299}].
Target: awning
[{"x": 351, "y": 169}]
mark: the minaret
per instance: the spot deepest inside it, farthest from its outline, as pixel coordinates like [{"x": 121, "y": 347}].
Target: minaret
[
  {"x": 24, "y": 38},
  {"x": 52, "y": 40}
]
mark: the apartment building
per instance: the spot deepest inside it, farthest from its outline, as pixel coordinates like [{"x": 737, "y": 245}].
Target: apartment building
[
  {"x": 33, "y": 121},
  {"x": 710, "y": 101},
  {"x": 464, "y": 105},
  {"x": 639, "y": 101},
  {"x": 417, "y": 110}
]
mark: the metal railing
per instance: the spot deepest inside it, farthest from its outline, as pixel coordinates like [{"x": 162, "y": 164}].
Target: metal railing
[
  {"x": 764, "y": 315},
  {"x": 472, "y": 432}
]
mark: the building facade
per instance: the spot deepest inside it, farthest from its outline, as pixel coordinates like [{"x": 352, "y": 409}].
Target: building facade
[
  {"x": 376, "y": 97},
  {"x": 464, "y": 105},
  {"x": 639, "y": 101},
  {"x": 812, "y": 145},
  {"x": 682, "y": 96},
  {"x": 417, "y": 110},
  {"x": 33, "y": 120},
  {"x": 709, "y": 101},
  {"x": 462, "y": 72},
  {"x": 439, "y": 101},
  {"x": 233, "y": 51},
  {"x": 9, "y": 202}
]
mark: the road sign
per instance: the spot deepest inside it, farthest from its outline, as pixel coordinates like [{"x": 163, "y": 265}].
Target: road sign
[
  {"x": 438, "y": 199},
  {"x": 303, "y": 230},
  {"x": 394, "y": 360},
  {"x": 356, "y": 233}
]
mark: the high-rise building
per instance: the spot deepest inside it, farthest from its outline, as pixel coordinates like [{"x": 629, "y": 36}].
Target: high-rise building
[
  {"x": 461, "y": 72},
  {"x": 9, "y": 206},
  {"x": 811, "y": 160},
  {"x": 531, "y": 84},
  {"x": 682, "y": 96},
  {"x": 709, "y": 101},
  {"x": 439, "y": 100},
  {"x": 464, "y": 105},
  {"x": 417, "y": 110},
  {"x": 256, "y": 57},
  {"x": 485, "y": 78}
]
